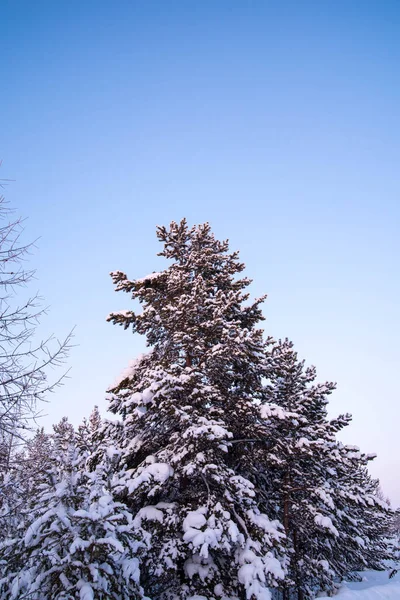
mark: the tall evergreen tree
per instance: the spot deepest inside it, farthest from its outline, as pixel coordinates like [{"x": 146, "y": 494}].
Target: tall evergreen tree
[
  {"x": 189, "y": 418},
  {"x": 319, "y": 487}
]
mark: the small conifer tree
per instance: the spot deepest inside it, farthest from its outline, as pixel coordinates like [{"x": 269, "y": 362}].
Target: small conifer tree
[{"x": 73, "y": 540}]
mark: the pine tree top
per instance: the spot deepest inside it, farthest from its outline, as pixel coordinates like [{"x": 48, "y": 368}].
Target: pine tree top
[{"x": 197, "y": 307}]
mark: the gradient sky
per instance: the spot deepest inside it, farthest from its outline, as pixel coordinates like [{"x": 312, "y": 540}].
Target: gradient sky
[{"x": 278, "y": 122}]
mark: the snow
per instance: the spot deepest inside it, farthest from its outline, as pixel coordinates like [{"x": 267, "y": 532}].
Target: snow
[
  {"x": 78, "y": 544},
  {"x": 360, "y": 541},
  {"x": 156, "y": 471},
  {"x": 325, "y": 565},
  {"x": 207, "y": 538},
  {"x": 109, "y": 541},
  {"x": 209, "y": 427},
  {"x": 34, "y": 528},
  {"x": 203, "y": 533},
  {"x": 390, "y": 591},
  {"x": 252, "y": 574},
  {"x": 273, "y": 410},
  {"x": 244, "y": 487},
  {"x": 123, "y": 313},
  {"x": 86, "y": 592},
  {"x": 195, "y": 519},
  {"x": 149, "y": 513},
  {"x": 112, "y": 451},
  {"x": 263, "y": 523},
  {"x": 302, "y": 442},
  {"x": 130, "y": 569},
  {"x": 197, "y": 566},
  {"x": 149, "y": 277},
  {"x": 325, "y": 497},
  {"x": 376, "y": 585},
  {"x": 326, "y": 522}
]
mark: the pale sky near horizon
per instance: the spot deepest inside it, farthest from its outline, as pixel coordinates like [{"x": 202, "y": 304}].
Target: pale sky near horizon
[{"x": 278, "y": 122}]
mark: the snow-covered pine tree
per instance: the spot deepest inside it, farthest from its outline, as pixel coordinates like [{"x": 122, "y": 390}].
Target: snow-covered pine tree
[
  {"x": 74, "y": 540},
  {"x": 319, "y": 487},
  {"x": 19, "y": 482},
  {"x": 364, "y": 520},
  {"x": 190, "y": 427},
  {"x": 87, "y": 435}
]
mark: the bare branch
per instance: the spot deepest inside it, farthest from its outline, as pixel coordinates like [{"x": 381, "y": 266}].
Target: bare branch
[{"x": 24, "y": 362}]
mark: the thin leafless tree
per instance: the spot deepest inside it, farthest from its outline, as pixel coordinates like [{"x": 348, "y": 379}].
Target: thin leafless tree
[{"x": 25, "y": 362}]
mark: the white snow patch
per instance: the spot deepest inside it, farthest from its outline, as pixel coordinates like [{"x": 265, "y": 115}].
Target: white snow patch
[
  {"x": 273, "y": 410},
  {"x": 157, "y": 471},
  {"x": 86, "y": 591},
  {"x": 149, "y": 513},
  {"x": 148, "y": 277},
  {"x": 195, "y": 519},
  {"x": 376, "y": 585},
  {"x": 326, "y": 522}
]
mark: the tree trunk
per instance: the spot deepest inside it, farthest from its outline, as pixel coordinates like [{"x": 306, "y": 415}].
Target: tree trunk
[
  {"x": 300, "y": 594},
  {"x": 285, "y": 594}
]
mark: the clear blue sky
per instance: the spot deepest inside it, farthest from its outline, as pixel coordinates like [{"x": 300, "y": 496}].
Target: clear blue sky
[{"x": 278, "y": 122}]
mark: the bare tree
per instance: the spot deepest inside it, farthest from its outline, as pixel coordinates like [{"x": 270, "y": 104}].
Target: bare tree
[{"x": 24, "y": 362}]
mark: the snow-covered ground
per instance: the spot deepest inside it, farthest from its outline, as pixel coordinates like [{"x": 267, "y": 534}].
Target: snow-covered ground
[{"x": 376, "y": 585}]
